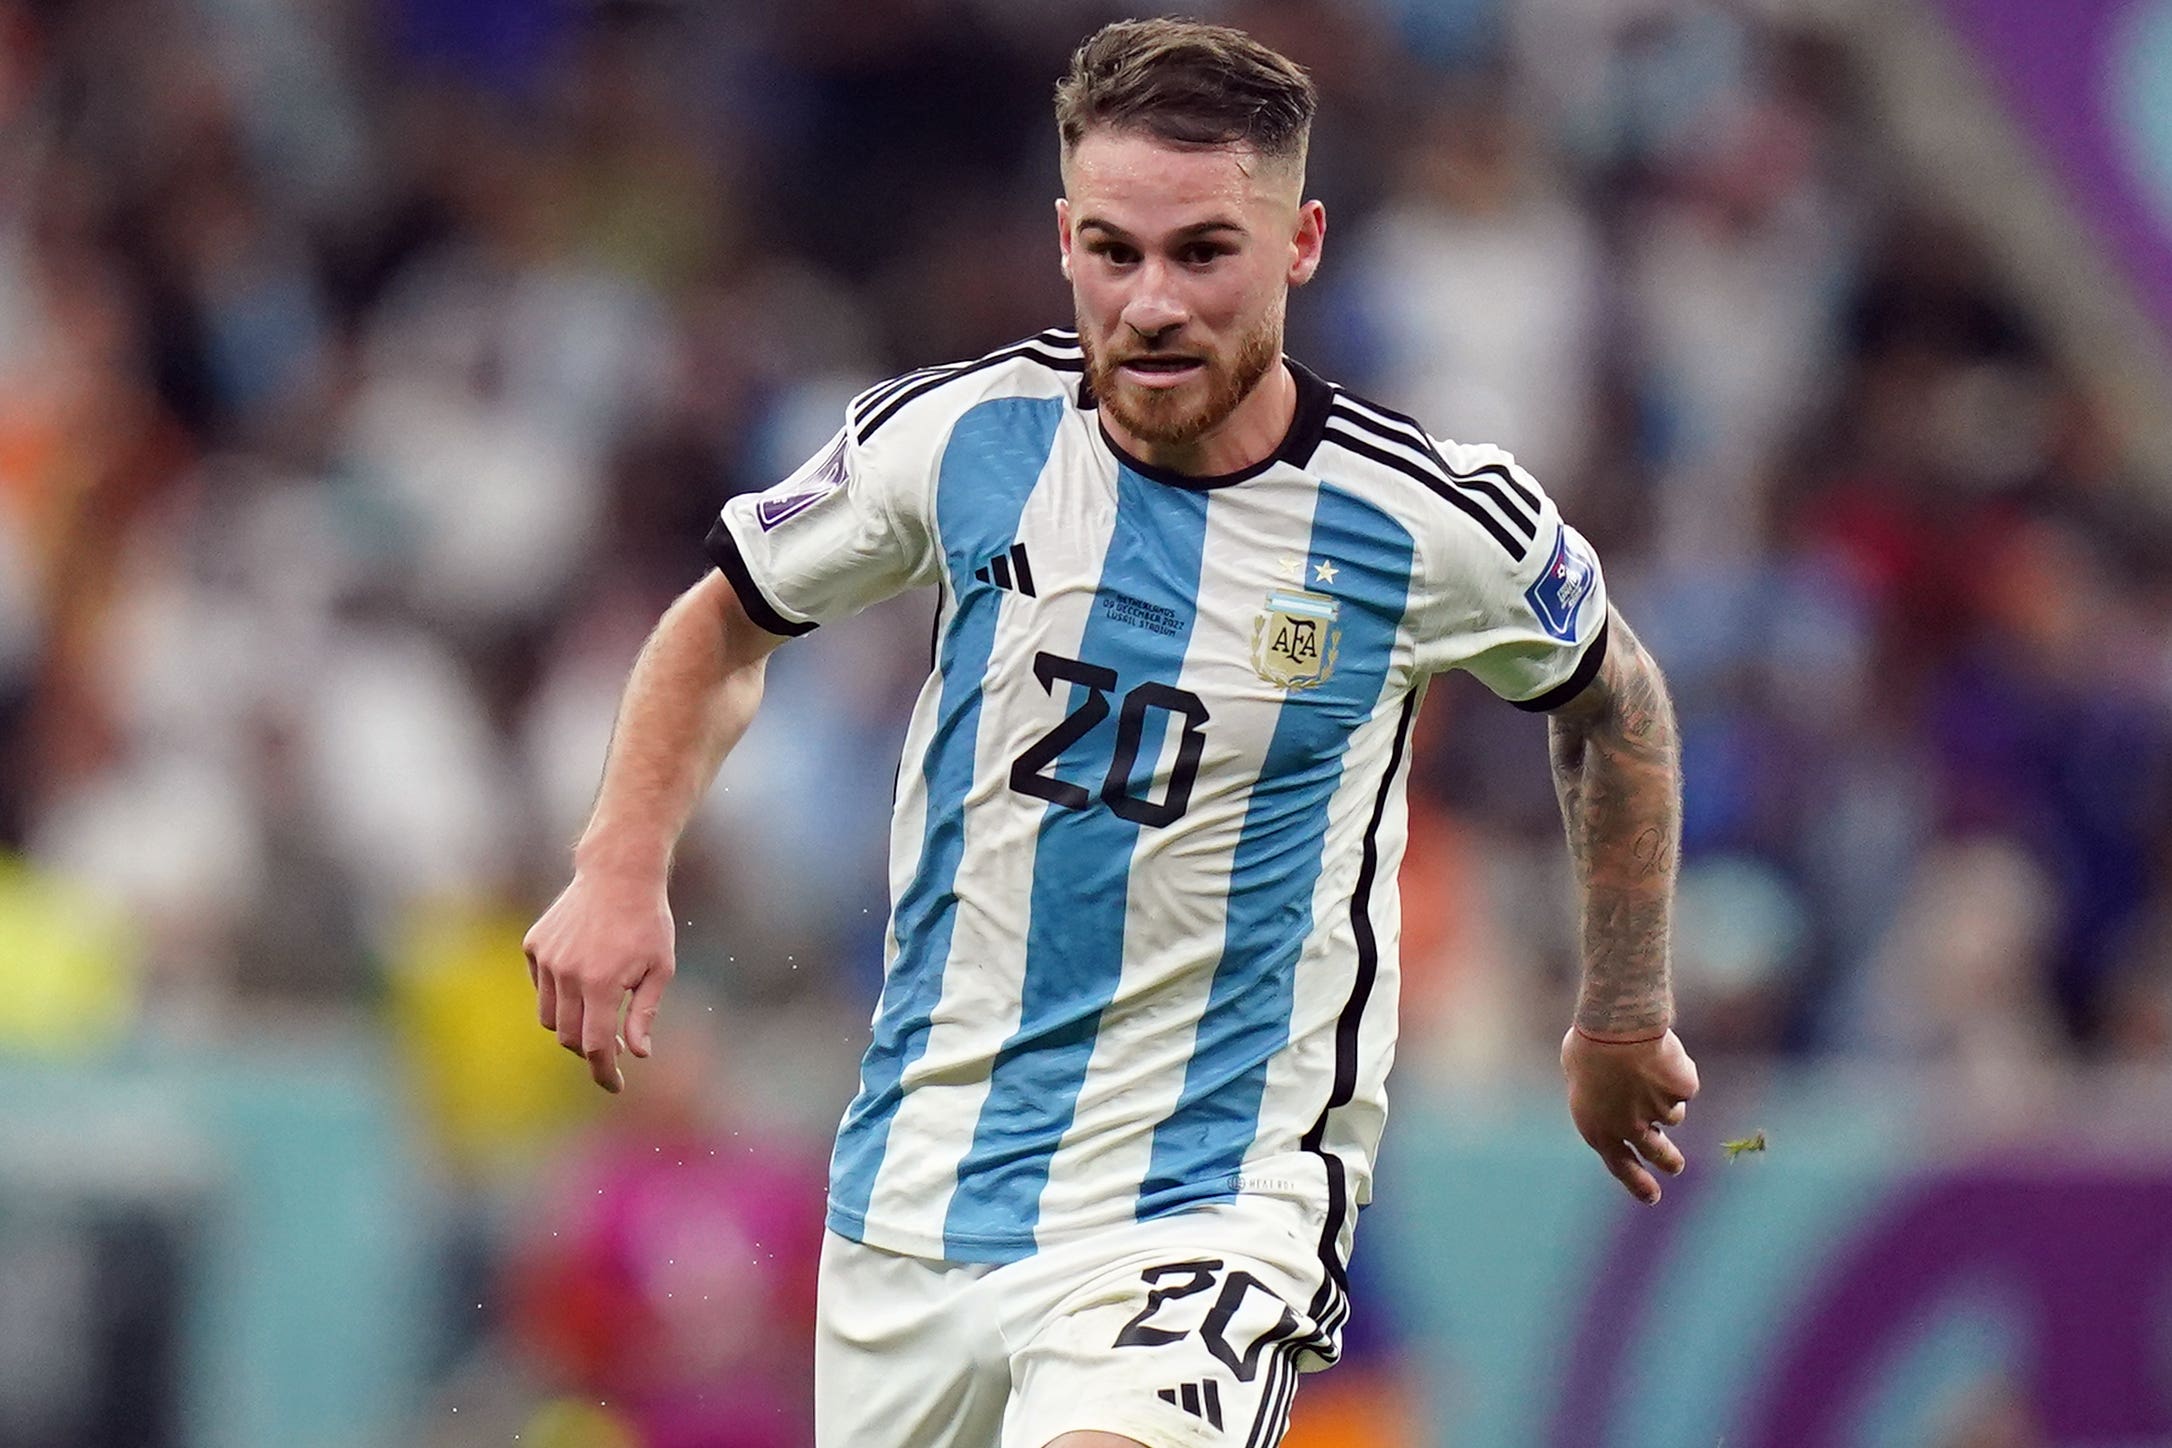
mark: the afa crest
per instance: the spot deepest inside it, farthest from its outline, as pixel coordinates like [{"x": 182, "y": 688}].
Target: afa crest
[{"x": 1294, "y": 640}]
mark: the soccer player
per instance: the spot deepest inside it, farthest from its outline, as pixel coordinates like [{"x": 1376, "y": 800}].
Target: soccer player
[{"x": 1100, "y": 1182}]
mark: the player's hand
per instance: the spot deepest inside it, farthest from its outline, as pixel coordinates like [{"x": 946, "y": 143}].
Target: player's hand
[
  {"x": 602, "y": 937},
  {"x": 1622, "y": 1098}
]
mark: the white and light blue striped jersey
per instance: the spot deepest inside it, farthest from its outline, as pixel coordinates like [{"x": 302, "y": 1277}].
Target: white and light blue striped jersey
[{"x": 1142, "y": 951}]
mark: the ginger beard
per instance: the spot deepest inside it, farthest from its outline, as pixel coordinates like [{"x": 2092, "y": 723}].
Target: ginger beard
[{"x": 1179, "y": 416}]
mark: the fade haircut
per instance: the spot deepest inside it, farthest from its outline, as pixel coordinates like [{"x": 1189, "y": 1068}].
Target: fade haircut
[{"x": 1189, "y": 84}]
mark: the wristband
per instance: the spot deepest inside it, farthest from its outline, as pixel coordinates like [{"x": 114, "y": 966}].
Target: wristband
[{"x": 1616, "y": 1041}]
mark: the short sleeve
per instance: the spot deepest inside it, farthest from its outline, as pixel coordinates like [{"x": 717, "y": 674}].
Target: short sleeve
[
  {"x": 1512, "y": 594},
  {"x": 847, "y": 530}
]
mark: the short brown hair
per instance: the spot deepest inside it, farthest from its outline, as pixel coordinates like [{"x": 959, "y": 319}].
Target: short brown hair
[{"x": 1187, "y": 83}]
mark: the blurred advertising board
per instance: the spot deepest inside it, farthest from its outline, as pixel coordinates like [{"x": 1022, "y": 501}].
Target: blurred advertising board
[
  {"x": 2090, "y": 84},
  {"x": 1909, "y": 1262},
  {"x": 196, "y": 1252}
]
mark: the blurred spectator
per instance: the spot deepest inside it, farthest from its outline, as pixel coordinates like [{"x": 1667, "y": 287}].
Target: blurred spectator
[
  {"x": 1482, "y": 277},
  {"x": 1963, "y": 976},
  {"x": 1737, "y": 262},
  {"x": 669, "y": 1267}
]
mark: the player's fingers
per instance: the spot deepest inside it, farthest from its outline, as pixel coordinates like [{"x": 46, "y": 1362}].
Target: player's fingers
[
  {"x": 1654, "y": 1147},
  {"x": 603, "y": 1068},
  {"x": 599, "y": 1037},
  {"x": 546, "y": 999},
  {"x": 1673, "y": 1115},
  {"x": 1622, "y": 1162},
  {"x": 648, "y": 994},
  {"x": 568, "y": 1019}
]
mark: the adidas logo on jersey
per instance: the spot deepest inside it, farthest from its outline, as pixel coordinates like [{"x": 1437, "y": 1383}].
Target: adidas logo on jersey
[
  {"x": 1202, "y": 1399},
  {"x": 1009, "y": 571}
]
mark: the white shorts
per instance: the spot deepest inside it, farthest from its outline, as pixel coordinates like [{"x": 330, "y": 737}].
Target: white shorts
[{"x": 1187, "y": 1331}]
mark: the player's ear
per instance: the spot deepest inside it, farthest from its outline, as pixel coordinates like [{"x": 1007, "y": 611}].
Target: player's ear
[
  {"x": 1305, "y": 246},
  {"x": 1063, "y": 235}
]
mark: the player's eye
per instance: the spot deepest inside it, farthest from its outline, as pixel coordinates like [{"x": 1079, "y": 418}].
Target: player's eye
[
  {"x": 1202, "y": 253},
  {"x": 1113, "y": 252}
]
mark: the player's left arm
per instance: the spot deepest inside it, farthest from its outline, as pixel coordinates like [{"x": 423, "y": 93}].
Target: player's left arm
[{"x": 1617, "y": 772}]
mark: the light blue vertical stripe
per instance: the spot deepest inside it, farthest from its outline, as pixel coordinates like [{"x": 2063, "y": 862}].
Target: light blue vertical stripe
[
  {"x": 995, "y": 457},
  {"x": 1081, "y": 875},
  {"x": 1200, "y": 1146}
]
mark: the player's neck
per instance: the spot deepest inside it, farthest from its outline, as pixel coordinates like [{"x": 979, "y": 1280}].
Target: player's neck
[{"x": 1251, "y": 434}]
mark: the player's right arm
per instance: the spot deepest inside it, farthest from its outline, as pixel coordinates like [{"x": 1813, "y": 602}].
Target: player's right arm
[
  {"x": 693, "y": 691},
  {"x": 849, "y": 528}
]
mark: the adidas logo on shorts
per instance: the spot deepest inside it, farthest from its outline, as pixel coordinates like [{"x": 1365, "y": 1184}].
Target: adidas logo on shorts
[{"x": 1202, "y": 1399}]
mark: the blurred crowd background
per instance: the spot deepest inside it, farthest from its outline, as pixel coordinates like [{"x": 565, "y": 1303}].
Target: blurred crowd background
[{"x": 370, "y": 371}]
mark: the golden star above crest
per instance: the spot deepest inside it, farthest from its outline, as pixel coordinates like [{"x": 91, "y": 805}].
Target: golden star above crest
[
  {"x": 1324, "y": 572},
  {"x": 1290, "y": 567}
]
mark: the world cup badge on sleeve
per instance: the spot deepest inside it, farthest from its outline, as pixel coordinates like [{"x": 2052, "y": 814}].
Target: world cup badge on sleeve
[
  {"x": 1557, "y": 598},
  {"x": 1294, "y": 639},
  {"x": 817, "y": 482}
]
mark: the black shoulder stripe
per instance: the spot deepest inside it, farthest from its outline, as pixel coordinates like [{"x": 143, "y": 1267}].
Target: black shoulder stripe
[
  {"x": 1360, "y": 406},
  {"x": 1378, "y": 413},
  {"x": 882, "y": 392},
  {"x": 1035, "y": 349},
  {"x": 1481, "y": 478},
  {"x": 1478, "y": 512},
  {"x": 1524, "y": 522},
  {"x": 1414, "y": 437},
  {"x": 1055, "y": 339},
  {"x": 1508, "y": 478}
]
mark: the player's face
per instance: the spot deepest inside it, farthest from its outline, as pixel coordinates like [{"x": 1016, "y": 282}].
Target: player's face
[{"x": 1180, "y": 261}]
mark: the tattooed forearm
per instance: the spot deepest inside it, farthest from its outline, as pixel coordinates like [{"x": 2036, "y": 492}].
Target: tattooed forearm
[
  {"x": 1617, "y": 772},
  {"x": 1651, "y": 852}
]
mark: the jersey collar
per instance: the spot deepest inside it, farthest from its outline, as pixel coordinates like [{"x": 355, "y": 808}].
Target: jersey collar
[{"x": 1306, "y": 426}]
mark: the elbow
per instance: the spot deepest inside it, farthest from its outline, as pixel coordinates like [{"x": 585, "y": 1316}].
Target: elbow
[{"x": 1568, "y": 741}]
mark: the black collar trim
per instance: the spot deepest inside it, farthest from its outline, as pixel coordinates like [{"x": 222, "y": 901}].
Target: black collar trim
[{"x": 1306, "y": 426}]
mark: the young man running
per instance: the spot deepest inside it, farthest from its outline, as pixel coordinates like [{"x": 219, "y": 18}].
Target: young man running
[{"x": 1101, "y": 1180}]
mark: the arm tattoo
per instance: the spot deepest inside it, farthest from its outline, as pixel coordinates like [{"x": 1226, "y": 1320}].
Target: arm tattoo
[{"x": 1617, "y": 772}]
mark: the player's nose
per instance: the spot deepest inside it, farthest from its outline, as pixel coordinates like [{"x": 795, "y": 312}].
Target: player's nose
[{"x": 1154, "y": 312}]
